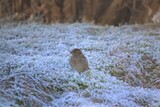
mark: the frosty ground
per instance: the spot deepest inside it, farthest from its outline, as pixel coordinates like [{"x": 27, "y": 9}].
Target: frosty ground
[{"x": 124, "y": 65}]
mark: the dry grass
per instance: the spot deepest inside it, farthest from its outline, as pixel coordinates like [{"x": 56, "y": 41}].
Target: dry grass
[
  {"x": 26, "y": 87},
  {"x": 145, "y": 73}
]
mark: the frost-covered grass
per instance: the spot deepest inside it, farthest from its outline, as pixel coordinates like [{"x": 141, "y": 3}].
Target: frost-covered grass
[{"x": 124, "y": 65}]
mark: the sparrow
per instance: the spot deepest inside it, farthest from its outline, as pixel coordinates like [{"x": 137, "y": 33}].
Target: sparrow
[{"x": 78, "y": 61}]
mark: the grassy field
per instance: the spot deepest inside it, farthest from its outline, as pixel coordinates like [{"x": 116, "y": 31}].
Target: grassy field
[{"x": 124, "y": 65}]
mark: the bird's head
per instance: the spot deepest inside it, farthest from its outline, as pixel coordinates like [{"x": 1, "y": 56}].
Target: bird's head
[{"x": 76, "y": 51}]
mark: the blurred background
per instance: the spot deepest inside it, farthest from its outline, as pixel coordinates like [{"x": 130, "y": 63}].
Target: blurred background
[{"x": 111, "y": 12}]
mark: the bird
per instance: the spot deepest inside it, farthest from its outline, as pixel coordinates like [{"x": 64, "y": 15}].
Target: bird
[{"x": 78, "y": 61}]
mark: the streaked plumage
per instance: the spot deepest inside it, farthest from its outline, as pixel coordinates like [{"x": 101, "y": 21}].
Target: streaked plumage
[{"x": 78, "y": 61}]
